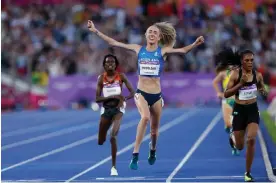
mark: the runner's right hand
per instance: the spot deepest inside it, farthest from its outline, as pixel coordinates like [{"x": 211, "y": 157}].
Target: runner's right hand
[
  {"x": 244, "y": 79},
  {"x": 91, "y": 26},
  {"x": 220, "y": 95}
]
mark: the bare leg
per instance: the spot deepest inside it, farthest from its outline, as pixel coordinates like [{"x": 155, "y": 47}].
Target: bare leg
[
  {"x": 156, "y": 111},
  {"x": 143, "y": 108},
  {"x": 113, "y": 136},
  {"x": 252, "y": 130},
  {"x": 227, "y": 115},
  {"x": 103, "y": 128}
]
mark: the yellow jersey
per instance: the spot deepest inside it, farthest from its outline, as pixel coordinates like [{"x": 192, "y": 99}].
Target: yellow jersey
[{"x": 226, "y": 79}]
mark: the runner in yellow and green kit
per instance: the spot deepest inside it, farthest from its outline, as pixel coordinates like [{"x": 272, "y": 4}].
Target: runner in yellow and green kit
[{"x": 223, "y": 71}]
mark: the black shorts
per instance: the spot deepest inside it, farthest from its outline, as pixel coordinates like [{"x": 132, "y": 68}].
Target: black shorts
[
  {"x": 150, "y": 98},
  {"x": 244, "y": 115},
  {"x": 109, "y": 113}
]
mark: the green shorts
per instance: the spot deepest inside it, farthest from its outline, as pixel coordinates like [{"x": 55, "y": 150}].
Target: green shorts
[{"x": 229, "y": 101}]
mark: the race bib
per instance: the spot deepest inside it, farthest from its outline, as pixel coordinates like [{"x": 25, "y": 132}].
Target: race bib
[
  {"x": 111, "y": 90},
  {"x": 149, "y": 69},
  {"x": 248, "y": 92}
]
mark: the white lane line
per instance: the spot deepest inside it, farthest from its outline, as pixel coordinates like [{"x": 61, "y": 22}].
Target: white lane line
[
  {"x": 267, "y": 162},
  {"x": 195, "y": 146},
  {"x": 49, "y": 135},
  {"x": 164, "y": 128},
  {"x": 38, "y": 128},
  {"x": 44, "y": 126},
  {"x": 63, "y": 148}
]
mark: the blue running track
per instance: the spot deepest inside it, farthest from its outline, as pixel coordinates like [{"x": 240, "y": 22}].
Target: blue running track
[{"x": 53, "y": 146}]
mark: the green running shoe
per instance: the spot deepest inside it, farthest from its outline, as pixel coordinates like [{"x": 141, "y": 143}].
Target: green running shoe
[
  {"x": 235, "y": 152},
  {"x": 134, "y": 162},
  {"x": 248, "y": 177},
  {"x": 227, "y": 129}
]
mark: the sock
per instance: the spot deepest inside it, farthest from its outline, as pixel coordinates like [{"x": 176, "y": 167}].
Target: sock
[{"x": 135, "y": 154}]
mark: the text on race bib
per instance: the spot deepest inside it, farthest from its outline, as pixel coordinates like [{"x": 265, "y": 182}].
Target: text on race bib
[
  {"x": 111, "y": 90},
  {"x": 149, "y": 68},
  {"x": 248, "y": 92}
]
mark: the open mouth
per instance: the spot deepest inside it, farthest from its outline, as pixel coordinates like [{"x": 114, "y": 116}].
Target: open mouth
[{"x": 151, "y": 38}]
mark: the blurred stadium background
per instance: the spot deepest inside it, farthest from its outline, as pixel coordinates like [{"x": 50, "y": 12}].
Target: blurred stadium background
[
  {"x": 50, "y": 61},
  {"x": 46, "y": 40}
]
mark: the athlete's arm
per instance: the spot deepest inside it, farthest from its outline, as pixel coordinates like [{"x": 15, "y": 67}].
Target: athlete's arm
[
  {"x": 129, "y": 86},
  {"x": 216, "y": 82},
  {"x": 111, "y": 41},
  {"x": 231, "y": 88},
  {"x": 100, "y": 98},
  {"x": 261, "y": 85},
  {"x": 185, "y": 49}
]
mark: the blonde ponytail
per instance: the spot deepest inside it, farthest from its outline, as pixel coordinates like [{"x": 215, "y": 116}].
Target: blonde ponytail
[{"x": 167, "y": 33}]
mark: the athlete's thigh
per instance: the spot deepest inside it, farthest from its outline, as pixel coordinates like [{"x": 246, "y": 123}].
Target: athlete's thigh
[
  {"x": 156, "y": 112},
  {"x": 252, "y": 130},
  {"x": 104, "y": 125},
  {"x": 142, "y": 105},
  {"x": 227, "y": 112},
  {"x": 253, "y": 121},
  {"x": 116, "y": 124}
]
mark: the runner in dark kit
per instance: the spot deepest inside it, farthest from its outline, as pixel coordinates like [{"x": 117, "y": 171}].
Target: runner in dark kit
[
  {"x": 110, "y": 85},
  {"x": 244, "y": 83}
]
